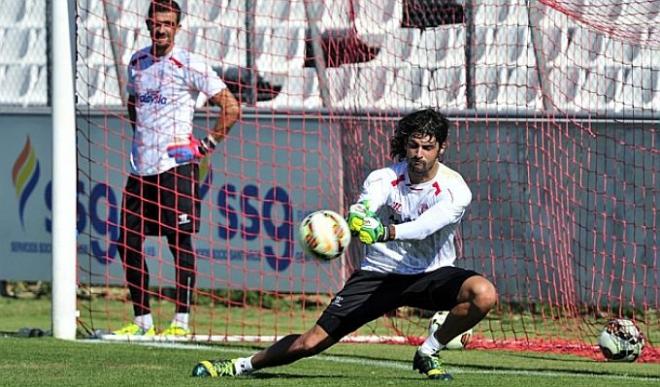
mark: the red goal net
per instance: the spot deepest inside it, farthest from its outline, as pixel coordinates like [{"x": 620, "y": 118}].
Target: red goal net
[{"x": 554, "y": 110}]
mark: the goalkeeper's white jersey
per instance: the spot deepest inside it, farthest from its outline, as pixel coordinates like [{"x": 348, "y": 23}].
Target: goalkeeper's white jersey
[
  {"x": 425, "y": 217},
  {"x": 166, "y": 90}
]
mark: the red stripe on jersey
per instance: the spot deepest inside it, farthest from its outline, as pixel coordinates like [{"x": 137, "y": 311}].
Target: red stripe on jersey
[
  {"x": 398, "y": 180},
  {"x": 437, "y": 188},
  {"x": 176, "y": 62}
]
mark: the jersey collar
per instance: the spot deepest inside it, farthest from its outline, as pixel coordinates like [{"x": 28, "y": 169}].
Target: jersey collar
[
  {"x": 419, "y": 186},
  {"x": 165, "y": 57}
]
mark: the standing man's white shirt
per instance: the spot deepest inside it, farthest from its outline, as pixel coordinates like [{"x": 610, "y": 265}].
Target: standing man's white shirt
[
  {"x": 425, "y": 217},
  {"x": 165, "y": 89}
]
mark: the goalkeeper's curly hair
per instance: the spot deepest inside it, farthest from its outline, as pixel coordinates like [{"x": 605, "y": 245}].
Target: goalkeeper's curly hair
[{"x": 427, "y": 122}]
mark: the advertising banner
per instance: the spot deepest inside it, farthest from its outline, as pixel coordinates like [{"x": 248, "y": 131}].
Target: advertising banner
[{"x": 256, "y": 188}]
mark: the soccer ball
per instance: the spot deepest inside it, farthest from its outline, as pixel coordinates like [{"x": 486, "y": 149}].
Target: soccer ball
[
  {"x": 458, "y": 342},
  {"x": 621, "y": 340},
  {"x": 324, "y": 234}
]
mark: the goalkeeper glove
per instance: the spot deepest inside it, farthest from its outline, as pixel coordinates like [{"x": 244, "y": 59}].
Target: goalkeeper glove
[
  {"x": 193, "y": 150},
  {"x": 373, "y": 231},
  {"x": 356, "y": 214}
]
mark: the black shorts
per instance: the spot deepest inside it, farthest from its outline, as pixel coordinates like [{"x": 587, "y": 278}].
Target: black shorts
[
  {"x": 162, "y": 204},
  {"x": 368, "y": 295}
]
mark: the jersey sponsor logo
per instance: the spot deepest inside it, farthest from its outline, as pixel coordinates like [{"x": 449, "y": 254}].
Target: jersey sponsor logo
[{"x": 152, "y": 96}]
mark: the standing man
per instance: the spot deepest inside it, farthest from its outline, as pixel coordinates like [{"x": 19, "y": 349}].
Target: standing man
[
  {"x": 162, "y": 194},
  {"x": 408, "y": 262}
]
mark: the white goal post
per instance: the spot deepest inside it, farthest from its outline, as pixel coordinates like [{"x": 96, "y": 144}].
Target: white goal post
[{"x": 64, "y": 172}]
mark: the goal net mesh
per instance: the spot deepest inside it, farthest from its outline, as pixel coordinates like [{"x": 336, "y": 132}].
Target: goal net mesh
[{"x": 554, "y": 111}]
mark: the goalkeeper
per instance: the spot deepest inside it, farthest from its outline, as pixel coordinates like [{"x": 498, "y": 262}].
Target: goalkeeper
[
  {"x": 409, "y": 262},
  {"x": 161, "y": 196}
]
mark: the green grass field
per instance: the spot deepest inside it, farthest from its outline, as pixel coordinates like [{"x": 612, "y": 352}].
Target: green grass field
[{"x": 47, "y": 361}]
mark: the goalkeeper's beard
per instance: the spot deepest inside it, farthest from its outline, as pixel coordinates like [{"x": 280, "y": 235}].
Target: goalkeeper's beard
[{"x": 418, "y": 167}]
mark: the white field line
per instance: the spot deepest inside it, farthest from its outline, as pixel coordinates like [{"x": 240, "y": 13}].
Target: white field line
[
  {"x": 392, "y": 364},
  {"x": 206, "y": 339}
]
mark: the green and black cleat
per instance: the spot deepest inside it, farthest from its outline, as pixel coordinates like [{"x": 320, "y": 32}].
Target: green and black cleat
[
  {"x": 431, "y": 366},
  {"x": 214, "y": 368}
]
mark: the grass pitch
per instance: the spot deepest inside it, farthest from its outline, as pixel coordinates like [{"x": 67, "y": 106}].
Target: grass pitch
[{"x": 51, "y": 362}]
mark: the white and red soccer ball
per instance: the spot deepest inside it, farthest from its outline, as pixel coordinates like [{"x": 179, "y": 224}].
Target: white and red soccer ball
[{"x": 324, "y": 234}]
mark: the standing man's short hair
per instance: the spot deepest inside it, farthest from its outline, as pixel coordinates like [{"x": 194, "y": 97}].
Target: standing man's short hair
[
  {"x": 164, "y": 6},
  {"x": 427, "y": 122}
]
